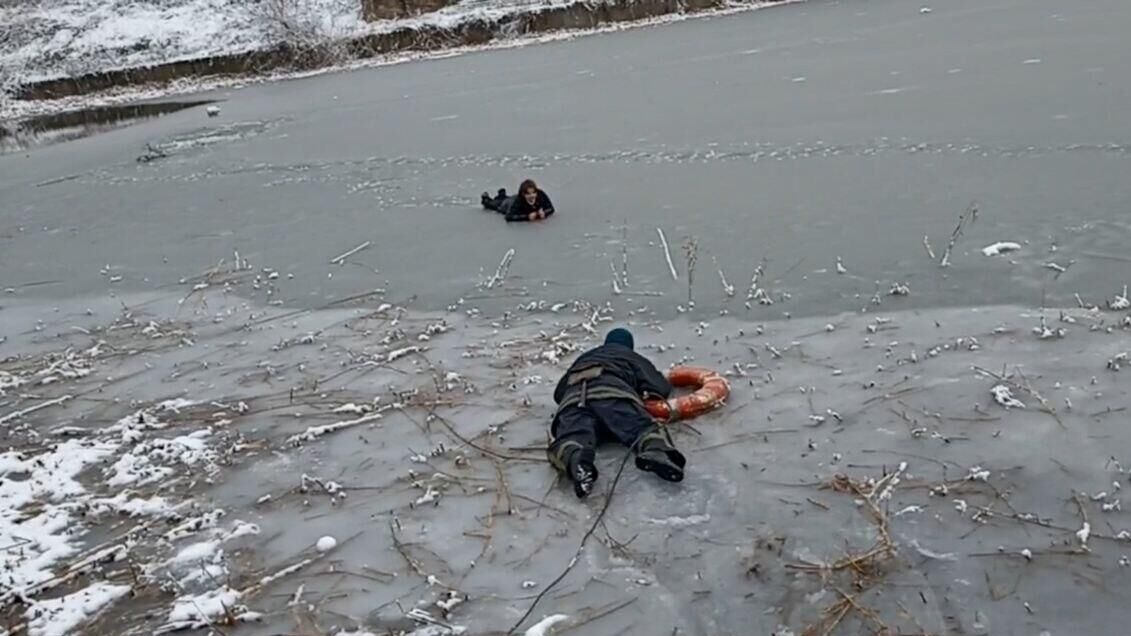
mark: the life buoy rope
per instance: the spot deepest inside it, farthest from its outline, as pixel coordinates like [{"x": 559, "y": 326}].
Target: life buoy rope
[{"x": 711, "y": 390}]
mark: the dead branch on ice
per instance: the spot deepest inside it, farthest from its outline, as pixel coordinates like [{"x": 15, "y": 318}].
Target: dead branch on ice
[
  {"x": 971, "y": 213},
  {"x": 338, "y": 260},
  {"x": 667, "y": 253}
]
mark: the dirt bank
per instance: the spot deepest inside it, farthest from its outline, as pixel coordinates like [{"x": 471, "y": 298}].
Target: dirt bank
[{"x": 477, "y": 31}]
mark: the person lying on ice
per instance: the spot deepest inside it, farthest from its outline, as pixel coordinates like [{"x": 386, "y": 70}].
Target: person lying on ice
[
  {"x": 530, "y": 204},
  {"x": 602, "y": 397}
]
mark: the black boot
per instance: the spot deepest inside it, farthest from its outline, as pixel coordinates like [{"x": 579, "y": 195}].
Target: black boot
[
  {"x": 656, "y": 454},
  {"x": 582, "y": 472},
  {"x": 485, "y": 199},
  {"x": 502, "y": 193}
]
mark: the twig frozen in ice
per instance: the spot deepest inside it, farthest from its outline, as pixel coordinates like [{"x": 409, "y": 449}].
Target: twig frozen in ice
[
  {"x": 1004, "y": 396},
  {"x": 542, "y": 627},
  {"x": 397, "y": 354},
  {"x": 758, "y": 271},
  {"x": 927, "y": 245},
  {"x": 691, "y": 253},
  {"x": 970, "y": 213},
  {"x": 580, "y": 546},
  {"x": 1058, "y": 268},
  {"x": 31, "y": 409},
  {"x": 338, "y": 260},
  {"x": 1045, "y": 333},
  {"x": 314, "y": 432},
  {"x": 728, "y": 289},
  {"x": 1001, "y": 247},
  {"x": 1085, "y": 531},
  {"x": 501, "y": 271},
  {"x": 1117, "y": 361},
  {"x": 624, "y": 253},
  {"x": 616, "y": 279},
  {"x": 755, "y": 292},
  {"x": 1119, "y": 303},
  {"x": 883, "y": 488},
  {"x": 667, "y": 253},
  {"x": 287, "y": 571}
]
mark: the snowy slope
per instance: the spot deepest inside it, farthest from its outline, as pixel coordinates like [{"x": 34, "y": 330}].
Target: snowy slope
[
  {"x": 56, "y": 38},
  {"x": 52, "y": 38}
]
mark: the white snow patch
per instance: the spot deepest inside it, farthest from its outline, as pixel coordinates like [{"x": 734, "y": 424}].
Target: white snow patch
[
  {"x": 930, "y": 554},
  {"x": 1084, "y": 533},
  {"x": 196, "y": 609},
  {"x": 44, "y": 538},
  {"x": 1001, "y": 247},
  {"x": 122, "y": 503},
  {"x": 175, "y": 405},
  {"x": 1004, "y": 396},
  {"x": 543, "y": 627},
  {"x": 681, "y": 522},
  {"x": 196, "y": 552},
  {"x": 132, "y": 469},
  {"x": 58, "y": 616},
  {"x": 9, "y": 381},
  {"x": 314, "y": 432}
]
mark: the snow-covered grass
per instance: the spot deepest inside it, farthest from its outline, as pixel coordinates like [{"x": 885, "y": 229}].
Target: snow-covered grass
[
  {"x": 46, "y": 480},
  {"x": 58, "y": 616},
  {"x": 58, "y": 38},
  {"x": 50, "y": 39},
  {"x": 50, "y": 496}
]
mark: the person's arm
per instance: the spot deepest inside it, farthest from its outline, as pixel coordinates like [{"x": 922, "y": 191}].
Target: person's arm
[
  {"x": 649, "y": 379},
  {"x": 517, "y": 211},
  {"x": 560, "y": 389},
  {"x": 545, "y": 204}
]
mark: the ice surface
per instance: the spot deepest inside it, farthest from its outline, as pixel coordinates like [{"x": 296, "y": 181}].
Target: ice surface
[
  {"x": 779, "y": 490},
  {"x": 762, "y": 491}
]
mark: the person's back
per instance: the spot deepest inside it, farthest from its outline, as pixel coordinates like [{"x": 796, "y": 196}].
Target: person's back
[
  {"x": 602, "y": 396},
  {"x": 623, "y": 369}
]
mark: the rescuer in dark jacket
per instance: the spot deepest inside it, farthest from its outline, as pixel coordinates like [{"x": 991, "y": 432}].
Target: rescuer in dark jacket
[
  {"x": 530, "y": 204},
  {"x": 602, "y": 397}
]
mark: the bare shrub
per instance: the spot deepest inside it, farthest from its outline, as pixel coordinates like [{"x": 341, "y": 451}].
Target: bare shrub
[{"x": 301, "y": 28}]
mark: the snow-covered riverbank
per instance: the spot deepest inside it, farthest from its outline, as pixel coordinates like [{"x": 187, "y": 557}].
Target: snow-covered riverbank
[{"x": 59, "y": 39}]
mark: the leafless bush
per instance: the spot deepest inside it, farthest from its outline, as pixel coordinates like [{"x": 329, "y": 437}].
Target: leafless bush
[
  {"x": 13, "y": 70},
  {"x": 10, "y": 74},
  {"x": 299, "y": 27}
]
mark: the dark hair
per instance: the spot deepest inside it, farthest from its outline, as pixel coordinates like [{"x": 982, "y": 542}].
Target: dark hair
[{"x": 527, "y": 185}]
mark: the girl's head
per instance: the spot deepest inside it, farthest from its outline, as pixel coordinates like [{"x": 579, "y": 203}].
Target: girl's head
[{"x": 528, "y": 190}]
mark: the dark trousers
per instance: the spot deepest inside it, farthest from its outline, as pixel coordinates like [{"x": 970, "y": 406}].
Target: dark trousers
[
  {"x": 500, "y": 203},
  {"x": 582, "y": 428}
]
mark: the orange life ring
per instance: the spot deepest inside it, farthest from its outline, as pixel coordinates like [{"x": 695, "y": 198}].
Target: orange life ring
[{"x": 711, "y": 390}]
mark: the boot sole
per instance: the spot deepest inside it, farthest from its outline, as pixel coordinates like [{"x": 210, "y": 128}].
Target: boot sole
[
  {"x": 664, "y": 471},
  {"x": 581, "y": 494}
]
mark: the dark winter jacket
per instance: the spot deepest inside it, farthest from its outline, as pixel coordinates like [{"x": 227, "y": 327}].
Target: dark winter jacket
[
  {"x": 516, "y": 208},
  {"x": 621, "y": 368}
]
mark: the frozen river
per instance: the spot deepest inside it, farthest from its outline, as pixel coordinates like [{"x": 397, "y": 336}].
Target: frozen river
[
  {"x": 795, "y": 134},
  {"x": 862, "y": 477}
]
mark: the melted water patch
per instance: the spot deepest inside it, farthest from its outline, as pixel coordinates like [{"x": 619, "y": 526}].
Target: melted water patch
[{"x": 62, "y": 127}]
